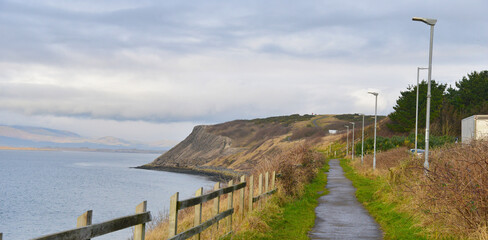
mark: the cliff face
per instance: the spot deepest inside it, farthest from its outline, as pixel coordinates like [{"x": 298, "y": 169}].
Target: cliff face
[
  {"x": 241, "y": 145},
  {"x": 199, "y": 148}
]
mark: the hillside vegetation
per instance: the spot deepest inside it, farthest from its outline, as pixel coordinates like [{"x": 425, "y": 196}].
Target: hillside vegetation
[
  {"x": 449, "y": 201},
  {"x": 238, "y": 146}
]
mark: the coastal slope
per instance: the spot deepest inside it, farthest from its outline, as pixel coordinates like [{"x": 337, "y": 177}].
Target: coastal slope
[{"x": 238, "y": 146}]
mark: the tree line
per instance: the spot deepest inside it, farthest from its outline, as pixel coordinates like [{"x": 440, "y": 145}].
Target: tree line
[{"x": 449, "y": 105}]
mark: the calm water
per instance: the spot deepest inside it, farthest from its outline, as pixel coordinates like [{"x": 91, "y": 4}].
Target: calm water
[{"x": 43, "y": 192}]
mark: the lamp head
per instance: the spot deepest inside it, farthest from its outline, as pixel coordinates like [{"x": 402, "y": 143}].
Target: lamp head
[
  {"x": 428, "y": 21},
  {"x": 352, "y": 123},
  {"x": 374, "y": 93}
]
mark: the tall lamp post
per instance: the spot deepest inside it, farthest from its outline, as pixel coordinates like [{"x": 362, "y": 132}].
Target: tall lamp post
[
  {"x": 347, "y": 146},
  {"x": 417, "y": 109},
  {"x": 362, "y": 144},
  {"x": 431, "y": 23},
  {"x": 352, "y": 140},
  {"x": 375, "y": 111}
]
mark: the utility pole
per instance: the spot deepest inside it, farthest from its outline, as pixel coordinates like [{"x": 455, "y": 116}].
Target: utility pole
[
  {"x": 375, "y": 111},
  {"x": 362, "y": 144},
  {"x": 352, "y": 140},
  {"x": 347, "y": 145}
]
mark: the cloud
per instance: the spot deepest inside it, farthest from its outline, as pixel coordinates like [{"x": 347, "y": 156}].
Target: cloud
[{"x": 164, "y": 62}]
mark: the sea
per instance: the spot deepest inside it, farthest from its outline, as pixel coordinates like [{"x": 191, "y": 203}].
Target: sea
[{"x": 43, "y": 192}]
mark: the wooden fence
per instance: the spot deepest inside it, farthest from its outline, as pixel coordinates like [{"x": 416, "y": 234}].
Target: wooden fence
[
  {"x": 197, "y": 201},
  {"x": 86, "y": 230}
]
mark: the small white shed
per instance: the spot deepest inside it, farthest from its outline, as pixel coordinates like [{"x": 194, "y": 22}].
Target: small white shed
[{"x": 474, "y": 127}]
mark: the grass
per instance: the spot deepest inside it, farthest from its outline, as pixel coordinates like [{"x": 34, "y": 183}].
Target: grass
[
  {"x": 289, "y": 219},
  {"x": 395, "y": 224}
]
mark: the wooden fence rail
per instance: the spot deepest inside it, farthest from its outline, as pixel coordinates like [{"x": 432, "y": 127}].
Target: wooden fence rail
[
  {"x": 197, "y": 201},
  {"x": 85, "y": 230}
]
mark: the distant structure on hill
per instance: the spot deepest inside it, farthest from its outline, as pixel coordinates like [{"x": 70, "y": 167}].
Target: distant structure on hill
[{"x": 332, "y": 131}]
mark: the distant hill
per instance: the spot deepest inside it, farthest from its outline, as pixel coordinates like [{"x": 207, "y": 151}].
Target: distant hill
[
  {"x": 37, "y": 137},
  {"x": 239, "y": 145}
]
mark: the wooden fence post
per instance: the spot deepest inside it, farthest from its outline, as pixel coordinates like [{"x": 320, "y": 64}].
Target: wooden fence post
[
  {"x": 230, "y": 204},
  {"x": 216, "y": 207},
  {"x": 198, "y": 213},
  {"x": 1, "y": 236},
  {"x": 273, "y": 177},
  {"x": 84, "y": 219},
  {"x": 266, "y": 182},
  {"x": 140, "y": 230},
  {"x": 241, "y": 200},
  {"x": 251, "y": 191},
  {"x": 173, "y": 215},
  {"x": 260, "y": 187}
]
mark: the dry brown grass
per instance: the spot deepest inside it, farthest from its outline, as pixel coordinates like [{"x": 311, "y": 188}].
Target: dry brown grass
[
  {"x": 384, "y": 161},
  {"x": 296, "y": 167},
  {"x": 451, "y": 200},
  {"x": 454, "y": 193}
]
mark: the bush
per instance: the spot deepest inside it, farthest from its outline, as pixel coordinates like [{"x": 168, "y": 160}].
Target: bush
[
  {"x": 296, "y": 168},
  {"x": 455, "y": 191},
  {"x": 450, "y": 200},
  {"x": 384, "y": 144}
]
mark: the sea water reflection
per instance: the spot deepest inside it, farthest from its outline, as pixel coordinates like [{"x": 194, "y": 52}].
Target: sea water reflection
[{"x": 43, "y": 192}]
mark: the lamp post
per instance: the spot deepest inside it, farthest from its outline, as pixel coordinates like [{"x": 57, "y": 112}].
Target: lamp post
[
  {"x": 375, "y": 110},
  {"x": 347, "y": 146},
  {"x": 352, "y": 139},
  {"x": 362, "y": 144},
  {"x": 417, "y": 109},
  {"x": 431, "y": 23}
]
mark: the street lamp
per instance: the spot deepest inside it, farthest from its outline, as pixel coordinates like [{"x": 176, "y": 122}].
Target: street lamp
[
  {"x": 352, "y": 139},
  {"x": 375, "y": 110},
  {"x": 347, "y": 146},
  {"x": 431, "y": 23},
  {"x": 362, "y": 144},
  {"x": 417, "y": 108}
]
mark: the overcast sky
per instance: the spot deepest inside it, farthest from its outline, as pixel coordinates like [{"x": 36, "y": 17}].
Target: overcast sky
[{"x": 151, "y": 70}]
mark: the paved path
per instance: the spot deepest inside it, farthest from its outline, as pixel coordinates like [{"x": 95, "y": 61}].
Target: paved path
[
  {"x": 315, "y": 121},
  {"x": 339, "y": 214}
]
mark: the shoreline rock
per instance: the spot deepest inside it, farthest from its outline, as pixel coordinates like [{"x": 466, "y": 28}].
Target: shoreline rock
[{"x": 212, "y": 174}]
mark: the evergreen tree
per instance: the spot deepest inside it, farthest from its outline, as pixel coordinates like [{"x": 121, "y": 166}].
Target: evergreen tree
[
  {"x": 471, "y": 93},
  {"x": 403, "y": 118}
]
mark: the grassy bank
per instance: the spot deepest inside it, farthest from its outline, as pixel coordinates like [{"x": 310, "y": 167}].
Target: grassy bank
[
  {"x": 287, "y": 218},
  {"x": 287, "y": 214},
  {"x": 377, "y": 196},
  {"x": 447, "y": 201}
]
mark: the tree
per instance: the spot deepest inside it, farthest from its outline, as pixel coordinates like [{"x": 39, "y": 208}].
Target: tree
[
  {"x": 471, "y": 93},
  {"x": 403, "y": 118},
  {"x": 470, "y": 97}
]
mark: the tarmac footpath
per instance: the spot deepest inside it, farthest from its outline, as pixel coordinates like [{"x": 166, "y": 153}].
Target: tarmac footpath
[{"x": 339, "y": 215}]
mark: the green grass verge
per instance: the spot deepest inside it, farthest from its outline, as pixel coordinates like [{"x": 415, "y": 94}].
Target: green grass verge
[
  {"x": 395, "y": 225},
  {"x": 294, "y": 219}
]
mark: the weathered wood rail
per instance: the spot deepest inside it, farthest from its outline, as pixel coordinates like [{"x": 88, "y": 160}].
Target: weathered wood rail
[
  {"x": 85, "y": 230},
  {"x": 197, "y": 202}
]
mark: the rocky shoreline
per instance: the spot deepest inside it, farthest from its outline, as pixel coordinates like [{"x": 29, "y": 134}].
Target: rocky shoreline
[{"x": 217, "y": 175}]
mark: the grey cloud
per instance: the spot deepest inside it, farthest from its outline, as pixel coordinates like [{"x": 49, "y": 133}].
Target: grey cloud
[{"x": 155, "y": 42}]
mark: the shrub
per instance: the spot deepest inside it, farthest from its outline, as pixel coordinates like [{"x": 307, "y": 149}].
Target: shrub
[
  {"x": 307, "y": 132},
  {"x": 298, "y": 167},
  {"x": 455, "y": 191}
]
